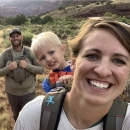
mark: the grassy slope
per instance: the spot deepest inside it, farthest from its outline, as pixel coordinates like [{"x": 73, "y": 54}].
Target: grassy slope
[{"x": 91, "y": 10}]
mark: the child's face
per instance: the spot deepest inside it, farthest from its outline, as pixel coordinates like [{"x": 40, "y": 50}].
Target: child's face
[{"x": 51, "y": 56}]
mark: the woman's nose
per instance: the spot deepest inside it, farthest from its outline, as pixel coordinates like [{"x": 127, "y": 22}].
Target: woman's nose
[{"x": 103, "y": 69}]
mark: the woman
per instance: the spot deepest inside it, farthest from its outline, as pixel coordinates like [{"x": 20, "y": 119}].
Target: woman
[{"x": 101, "y": 64}]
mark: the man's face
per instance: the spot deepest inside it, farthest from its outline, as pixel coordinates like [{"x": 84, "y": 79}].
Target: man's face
[{"x": 16, "y": 39}]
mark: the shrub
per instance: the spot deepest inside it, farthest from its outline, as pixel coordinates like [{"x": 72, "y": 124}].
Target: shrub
[
  {"x": 47, "y": 19},
  {"x": 64, "y": 36},
  {"x": 68, "y": 31},
  {"x": 27, "y": 39}
]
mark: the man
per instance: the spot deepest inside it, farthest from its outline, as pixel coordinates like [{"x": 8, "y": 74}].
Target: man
[{"x": 19, "y": 66}]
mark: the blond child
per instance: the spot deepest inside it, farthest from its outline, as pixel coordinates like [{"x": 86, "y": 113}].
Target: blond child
[{"x": 49, "y": 52}]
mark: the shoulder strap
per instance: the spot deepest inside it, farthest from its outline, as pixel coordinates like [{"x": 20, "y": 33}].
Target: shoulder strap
[
  {"x": 26, "y": 52},
  {"x": 115, "y": 117},
  {"x": 52, "y": 85},
  {"x": 51, "y": 109},
  {"x": 54, "y": 76}
]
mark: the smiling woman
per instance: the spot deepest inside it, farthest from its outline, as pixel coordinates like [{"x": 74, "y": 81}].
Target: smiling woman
[
  {"x": 101, "y": 65},
  {"x": 104, "y": 66}
]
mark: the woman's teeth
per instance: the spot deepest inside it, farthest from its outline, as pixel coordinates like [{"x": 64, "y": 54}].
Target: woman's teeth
[{"x": 99, "y": 85}]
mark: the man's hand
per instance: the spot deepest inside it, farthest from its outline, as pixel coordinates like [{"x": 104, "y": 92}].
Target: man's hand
[
  {"x": 23, "y": 64},
  {"x": 13, "y": 65}
]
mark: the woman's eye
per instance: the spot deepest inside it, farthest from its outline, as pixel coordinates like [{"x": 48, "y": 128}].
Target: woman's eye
[
  {"x": 92, "y": 57},
  {"x": 52, "y": 52},
  {"x": 119, "y": 62}
]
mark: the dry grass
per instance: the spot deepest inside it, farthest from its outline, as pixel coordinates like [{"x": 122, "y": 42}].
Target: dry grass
[
  {"x": 1, "y": 36},
  {"x": 6, "y": 120}
]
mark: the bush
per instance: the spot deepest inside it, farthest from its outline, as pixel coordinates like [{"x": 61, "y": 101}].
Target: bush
[
  {"x": 36, "y": 30},
  {"x": 64, "y": 36},
  {"x": 27, "y": 39},
  {"x": 68, "y": 31},
  {"x": 47, "y": 19}
]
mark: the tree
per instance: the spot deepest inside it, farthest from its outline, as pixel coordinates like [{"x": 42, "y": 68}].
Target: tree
[
  {"x": 61, "y": 8},
  {"x": 18, "y": 20},
  {"x": 47, "y": 19},
  {"x": 36, "y": 20}
]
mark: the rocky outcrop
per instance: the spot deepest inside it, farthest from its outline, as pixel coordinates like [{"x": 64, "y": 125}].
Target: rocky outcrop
[
  {"x": 9, "y": 11},
  {"x": 120, "y": 9},
  {"x": 27, "y": 8},
  {"x": 33, "y": 7}
]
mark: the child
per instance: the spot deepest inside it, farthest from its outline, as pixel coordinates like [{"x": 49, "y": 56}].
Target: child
[{"x": 49, "y": 52}]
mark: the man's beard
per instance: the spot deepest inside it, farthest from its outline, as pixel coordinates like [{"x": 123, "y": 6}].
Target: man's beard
[{"x": 19, "y": 44}]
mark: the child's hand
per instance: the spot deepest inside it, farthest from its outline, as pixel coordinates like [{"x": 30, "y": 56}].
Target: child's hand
[{"x": 66, "y": 79}]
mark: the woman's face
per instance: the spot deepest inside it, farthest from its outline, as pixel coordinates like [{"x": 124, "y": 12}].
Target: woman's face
[{"x": 101, "y": 68}]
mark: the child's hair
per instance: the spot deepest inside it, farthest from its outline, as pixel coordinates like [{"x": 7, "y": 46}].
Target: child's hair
[{"x": 42, "y": 39}]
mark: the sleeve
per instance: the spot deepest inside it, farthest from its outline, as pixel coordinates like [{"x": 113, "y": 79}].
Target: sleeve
[
  {"x": 29, "y": 117},
  {"x": 4, "y": 70},
  {"x": 46, "y": 86},
  {"x": 35, "y": 68},
  {"x": 126, "y": 123}
]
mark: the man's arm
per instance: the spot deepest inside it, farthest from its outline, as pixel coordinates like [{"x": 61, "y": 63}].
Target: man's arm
[{"x": 4, "y": 69}]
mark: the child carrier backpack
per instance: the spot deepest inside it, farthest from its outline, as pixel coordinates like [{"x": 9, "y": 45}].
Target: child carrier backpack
[
  {"x": 52, "y": 106},
  {"x": 19, "y": 74}
]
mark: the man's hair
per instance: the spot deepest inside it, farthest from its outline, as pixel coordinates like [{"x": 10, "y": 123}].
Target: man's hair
[{"x": 42, "y": 39}]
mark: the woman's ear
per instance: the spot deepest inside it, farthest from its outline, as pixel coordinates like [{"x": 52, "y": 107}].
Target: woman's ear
[{"x": 73, "y": 60}]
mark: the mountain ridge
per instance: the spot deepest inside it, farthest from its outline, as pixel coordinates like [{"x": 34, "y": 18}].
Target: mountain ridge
[{"x": 11, "y": 8}]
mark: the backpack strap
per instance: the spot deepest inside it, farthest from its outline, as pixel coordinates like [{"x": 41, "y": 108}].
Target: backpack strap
[
  {"x": 26, "y": 53},
  {"x": 52, "y": 106},
  {"x": 115, "y": 117},
  {"x": 51, "y": 109}
]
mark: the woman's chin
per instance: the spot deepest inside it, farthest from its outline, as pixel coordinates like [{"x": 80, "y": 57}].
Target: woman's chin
[{"x": 97, "y": 100}]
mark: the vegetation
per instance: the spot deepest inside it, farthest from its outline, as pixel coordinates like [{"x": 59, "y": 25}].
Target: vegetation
[{"x": 18, "y": 20}]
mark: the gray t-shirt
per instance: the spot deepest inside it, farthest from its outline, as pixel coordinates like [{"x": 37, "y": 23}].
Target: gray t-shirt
[{"x": 29, "y": 118}]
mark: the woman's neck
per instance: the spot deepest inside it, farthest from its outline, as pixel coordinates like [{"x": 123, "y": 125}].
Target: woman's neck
[{"x": 81, "y": 114}]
